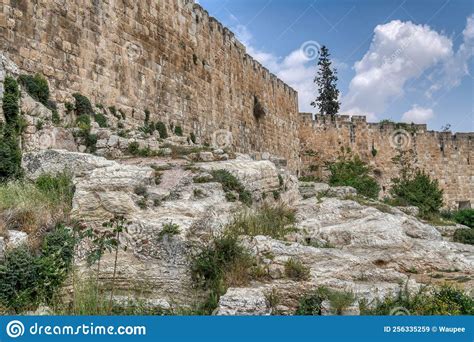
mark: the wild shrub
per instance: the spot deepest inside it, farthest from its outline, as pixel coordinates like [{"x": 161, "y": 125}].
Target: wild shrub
[
  {"x": 221, "y": 264},
  {"x": 36, "y": 86},
  {"x": 465, "y": 236},
  {"x": 36, "y": 207},
  {"x": 352, "y": 171},
  {"x": 101, "y": 120},
  {"x": 10, "y": 151},
  {"x": 420, "y": 190},
  {"x": 169, "y": 229},
  {"x": 310, "y": 304},
  {"x": 82, "y": 106},
  {"x": 27, "y": 278},
  {"x": 415, "y": 187},
  {"x": 296, "y": 270},
  {"x": 274, "y": 221},
  {"x": 465, "y": 217},
  {"x": 178, "y": 131},
  {"x": 55, "y": 118},
  {"x": 231, "y": 183},
  {"x": 446, "y": 300},
  {"x": 133, "y": 148},
  {"x": 161, "y": 128}
]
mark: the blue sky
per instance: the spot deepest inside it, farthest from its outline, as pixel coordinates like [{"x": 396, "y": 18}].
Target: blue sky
[{"x": 405, "y": 60}]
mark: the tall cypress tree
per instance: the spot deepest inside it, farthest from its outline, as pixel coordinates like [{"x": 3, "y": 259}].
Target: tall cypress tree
[{"x": 326, "y": 80}]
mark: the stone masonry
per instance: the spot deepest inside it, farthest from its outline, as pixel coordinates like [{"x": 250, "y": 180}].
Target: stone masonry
[
  {"x": 167, "y": 56},
  {"x": 172, "y": 58},
  {"x": 444, "y": 156}
]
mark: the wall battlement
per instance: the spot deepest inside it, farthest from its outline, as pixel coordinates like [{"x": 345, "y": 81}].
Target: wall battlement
[
  {"x": 445, "y": 156},
  {"x": 167, "y": 56}
]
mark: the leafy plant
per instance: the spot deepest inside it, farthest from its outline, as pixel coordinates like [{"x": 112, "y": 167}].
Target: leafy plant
[
  {"x": 161, "y": 128},
  {"x": 219, "y": 265},
  {"x": 465, "y": 217},
  {"x": 178, "y": 131},
  {"x": 10, "y": 151},
  {"x": 465, "y": 236},
  {"x": 55, "y": 118},
  {"x": 101, "y": 120},
  {"x": 326, "y": 80},
  {"x": 82, "y": 106},
  {"x": 296, "y": 270},
  {"x": 36, "y": 86},
  {"x": 26, "y": 279},
  {"x": 231, "y": 183},
  {"x": 169, "y": 229},
  {"x": 446, "y": 300},
  {"x": 352, "y": 171},
  {"x": 310, "y": 304}
]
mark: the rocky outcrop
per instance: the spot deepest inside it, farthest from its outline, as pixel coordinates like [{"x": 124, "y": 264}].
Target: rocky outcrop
[{"x": 368, "y": 249}]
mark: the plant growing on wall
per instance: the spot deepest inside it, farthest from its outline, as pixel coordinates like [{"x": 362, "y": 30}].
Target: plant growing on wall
[
  {"x": 10, "y": 151},
  {"x": 326, "y": 81}
]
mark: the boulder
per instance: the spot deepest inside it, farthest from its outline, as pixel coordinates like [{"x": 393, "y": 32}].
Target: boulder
[{"x": 16, "y": 239}]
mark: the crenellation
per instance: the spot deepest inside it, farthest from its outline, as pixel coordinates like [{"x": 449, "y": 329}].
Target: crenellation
[{"x": 444, "y": 155}]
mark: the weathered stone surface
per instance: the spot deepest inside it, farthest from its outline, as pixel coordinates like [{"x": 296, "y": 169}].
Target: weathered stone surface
[
  {"x": 16, "y": 239},
  {"x": 243, "y": 302},
  {"x": 57, "y": 138},
  {"x": 342, "y": 191},
  {"x": 410, "y": 210},
  {"x": 257, "y": 176},
  {"x": 311, "y": 189},
  {"x": 2, "y": 248}
]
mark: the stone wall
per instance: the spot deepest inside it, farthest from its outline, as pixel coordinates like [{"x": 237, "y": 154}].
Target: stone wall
[
  {"x": 446, "y": 157},
  {"x": 168, "y": 56}
]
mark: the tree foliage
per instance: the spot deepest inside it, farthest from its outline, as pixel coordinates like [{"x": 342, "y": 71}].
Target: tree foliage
[
  {"x": 326, "y": 80},
  {"x": 352, "y": 171}
]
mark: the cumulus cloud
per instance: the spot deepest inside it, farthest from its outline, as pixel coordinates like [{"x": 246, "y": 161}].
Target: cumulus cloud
[
  {"x": 400, "y": 51},
  {"x": 418, "y": 115},
  {"x": 296, "y": 69},
  {"x": 456, "y": 67}
]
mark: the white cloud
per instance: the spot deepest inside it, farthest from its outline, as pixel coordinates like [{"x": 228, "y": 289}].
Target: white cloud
[
  {"x": 296, "y": 69},
  {"x": 418, "y": 115},
  {"x": 400, "y": 51},
  {"x": 456, "y": 67}
]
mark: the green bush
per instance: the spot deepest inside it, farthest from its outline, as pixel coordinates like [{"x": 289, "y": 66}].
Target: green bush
[
  {"x": 296, "y": 270},
  {"x": 169, "y": 229},
  {"x": 178, "y": 131},
  {"x": 37, "y": 87},
  {"x": 465, "y": 217},
  {"x": 219, "y": 265},
  {"x": 419, "y": 190},
  {"x": 82, "y": 106},
  {"x": 310, "y": 303},
  {"x": 55, "y": 118},
  {"x": 10, "y": 151},
  {"x": 133, "y": 148},
  {"x": 269, "y": 221},
  {"x": 465, "y": 236},
  {"x": 27, "y": 279},
  {"x": 446, "y": 300},
  {"x": 84, "y": 122},
  {"x": 231, "y": 183},
  {"x": 161, "y": 128},
  {"x": 353, "y": 172},
  {"x": 101, "y": 120}
]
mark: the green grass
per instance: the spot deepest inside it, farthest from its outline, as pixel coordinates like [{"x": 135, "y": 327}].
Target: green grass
[
  {"x": 230, "y": 184},
  {"x": 275, "y": 222},
  {"x": 33, "y": 207}
]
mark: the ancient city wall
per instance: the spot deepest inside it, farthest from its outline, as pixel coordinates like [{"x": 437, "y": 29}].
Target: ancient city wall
[
  {"x": 168, "y": 56},
  {"x": 446, "y": 157}
]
